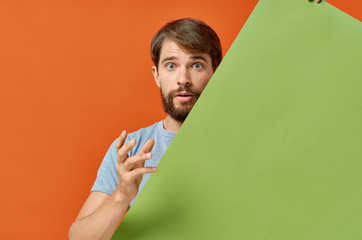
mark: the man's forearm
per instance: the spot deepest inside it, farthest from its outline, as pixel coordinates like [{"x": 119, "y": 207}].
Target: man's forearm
[{"x": 102, "y": 223}]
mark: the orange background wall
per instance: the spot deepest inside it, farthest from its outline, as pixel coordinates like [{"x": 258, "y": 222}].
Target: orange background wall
[{"x": 74, "y": 74}]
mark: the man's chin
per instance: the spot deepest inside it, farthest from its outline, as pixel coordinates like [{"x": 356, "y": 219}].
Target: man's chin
[
  {"x": 184, "y": 104},
  {"x": 179, "y": 116},
  {"x": 186, "y": 108}
]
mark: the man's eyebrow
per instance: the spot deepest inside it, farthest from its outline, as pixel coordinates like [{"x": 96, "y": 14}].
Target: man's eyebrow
[
  {"x": 199, "y": 58},
  {"x": 168, "y": 59}
]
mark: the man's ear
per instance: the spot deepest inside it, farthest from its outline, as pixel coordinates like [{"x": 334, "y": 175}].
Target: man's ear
[{"x": 156, "y": 76}]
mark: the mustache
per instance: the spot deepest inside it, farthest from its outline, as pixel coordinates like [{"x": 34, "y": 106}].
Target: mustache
[{"x": 186, "y": 89}]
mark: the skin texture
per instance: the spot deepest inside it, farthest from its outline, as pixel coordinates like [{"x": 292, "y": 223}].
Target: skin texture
[{"x": 102, "y": 213}]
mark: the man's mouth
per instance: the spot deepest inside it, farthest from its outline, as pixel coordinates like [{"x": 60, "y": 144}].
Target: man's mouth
[{"x": 183, "y": 96}]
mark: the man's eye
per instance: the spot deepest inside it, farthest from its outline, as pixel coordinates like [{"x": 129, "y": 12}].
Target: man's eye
[
  {"x": 171, "y": 66},
  {"x": 197, "y": 65}
]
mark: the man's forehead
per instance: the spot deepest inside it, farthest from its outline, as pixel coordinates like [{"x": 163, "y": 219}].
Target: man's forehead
[{"x": 172, "y": 51}]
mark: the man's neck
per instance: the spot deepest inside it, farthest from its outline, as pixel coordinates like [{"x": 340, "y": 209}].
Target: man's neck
[{"x": 171, "y": 124}]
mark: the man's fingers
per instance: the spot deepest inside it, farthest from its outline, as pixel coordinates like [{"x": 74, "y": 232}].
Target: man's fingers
[
  {"x": 121, "y": 140},
  {"x": 137, "y": 160},
  {"x": 122, "y": 153},
  {"x": 148, "y": 146},
  {"x": 140, "y": 172}
]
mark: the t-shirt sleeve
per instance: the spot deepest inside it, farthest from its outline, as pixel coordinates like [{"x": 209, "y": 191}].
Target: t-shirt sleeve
[{"x": 107, "y": 177}]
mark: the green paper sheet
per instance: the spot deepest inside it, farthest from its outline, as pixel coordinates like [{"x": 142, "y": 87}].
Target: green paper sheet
[{"x": 273, "y": 148}]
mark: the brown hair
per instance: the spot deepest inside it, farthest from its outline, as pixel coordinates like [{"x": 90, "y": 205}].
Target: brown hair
[{"x": 191, "y": 34}]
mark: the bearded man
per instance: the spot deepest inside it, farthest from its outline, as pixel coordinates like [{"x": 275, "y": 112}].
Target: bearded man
[{"x": 186, "y": 53}]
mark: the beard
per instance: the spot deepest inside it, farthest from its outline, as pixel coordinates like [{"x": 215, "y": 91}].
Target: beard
[{"x": 179, "y": 113}]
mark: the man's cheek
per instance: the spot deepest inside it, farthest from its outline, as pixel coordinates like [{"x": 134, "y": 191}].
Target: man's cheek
[{"x": 164, "y": 93}]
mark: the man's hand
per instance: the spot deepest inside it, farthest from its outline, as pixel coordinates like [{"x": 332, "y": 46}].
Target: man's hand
[
  {"x": 131, "y": 169},
  {"x": 101, "y": 213}
]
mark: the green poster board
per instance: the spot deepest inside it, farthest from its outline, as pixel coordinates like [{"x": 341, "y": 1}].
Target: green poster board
[{"x": 273, "y": 148}]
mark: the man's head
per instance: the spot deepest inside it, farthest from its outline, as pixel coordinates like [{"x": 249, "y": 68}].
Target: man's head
[{"x": 186, "y": 53}]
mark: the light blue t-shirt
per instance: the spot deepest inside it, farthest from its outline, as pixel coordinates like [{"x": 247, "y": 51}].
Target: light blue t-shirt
[{"x": 107, "y": 177}]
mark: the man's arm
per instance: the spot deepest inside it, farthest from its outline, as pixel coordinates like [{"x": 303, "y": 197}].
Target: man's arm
[
  {"x": 101, "y": 213},
  {"x": 99, "y": 216}
]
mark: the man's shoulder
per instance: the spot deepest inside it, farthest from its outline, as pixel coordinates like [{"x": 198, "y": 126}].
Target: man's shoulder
[
  {"x": 154, "y": 131},
  {"x": 146, "y": 132},
  {"x": 141, "y": 133}
]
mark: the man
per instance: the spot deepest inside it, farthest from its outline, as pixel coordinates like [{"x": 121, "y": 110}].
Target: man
[{"x": 186, "y": 53}]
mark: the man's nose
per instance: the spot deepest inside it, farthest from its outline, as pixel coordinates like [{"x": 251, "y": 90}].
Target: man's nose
[{"x": 184, "y": 77}]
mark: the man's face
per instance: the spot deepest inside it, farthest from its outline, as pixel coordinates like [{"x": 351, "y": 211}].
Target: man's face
[{"x": 181, "y": 76}]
